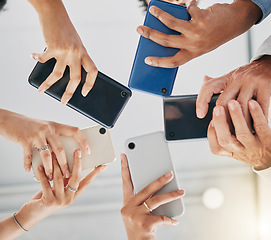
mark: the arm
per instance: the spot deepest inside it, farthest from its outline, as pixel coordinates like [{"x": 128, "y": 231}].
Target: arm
[
  {"x": 63, "y": 44},
  {"x": 32, "y": 133},
  {"x": 50, "y": 199},
  {"x": 208, "y": 29},
  {"x": 138, "y": 220}
]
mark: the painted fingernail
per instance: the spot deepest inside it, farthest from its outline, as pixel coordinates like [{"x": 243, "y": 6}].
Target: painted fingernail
[
  {"x": 148, "y": 61},
  {"x": 67, "y": 174},
  {"x": 139, "y": 30},
  {"x": 231, "y": 105},
  {"x": 252, "y": 104},
  {"x": 200, "y": 113},
  {"x": 50, "y": 177},
  {"x": 88, "y": 149},
  {"x": 217, "y": 111},
  {"x": 103, "y": 168},
  {"x": 79, "y": 153},
  {"x": 169, "y": 174}
]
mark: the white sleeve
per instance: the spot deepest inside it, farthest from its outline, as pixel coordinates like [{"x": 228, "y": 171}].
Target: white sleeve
[
  {"x": 266, "y": 173},
  {"x": 264, "y": 49}
]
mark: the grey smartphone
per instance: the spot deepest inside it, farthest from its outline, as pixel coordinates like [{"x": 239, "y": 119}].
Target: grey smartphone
[
  {"x": 103, "y": 104},
  {"x": 148, "y": 159},
  {"x": 180, "y": 120}
]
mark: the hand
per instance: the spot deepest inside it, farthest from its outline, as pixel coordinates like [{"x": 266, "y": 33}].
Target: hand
[
  {"x": 254, "y": 150},
  {"x": 250, "y": 81},
  {"x": 63, "y": 44},
  {"x": 138, "y": 221},
  {"x": 203, "y": 33},
  {"x": 52, "y": 199},
  {"x": 30, "y": 133}
]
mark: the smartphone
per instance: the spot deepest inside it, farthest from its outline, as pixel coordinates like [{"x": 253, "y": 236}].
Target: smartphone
[
  {"x": 103, "y": 104},
  {"x": 148, "y": 159},
  {"x": 101, "y": 147},
  {"x": 180, "y": 120},
  {"x": 151, "y": 79}
]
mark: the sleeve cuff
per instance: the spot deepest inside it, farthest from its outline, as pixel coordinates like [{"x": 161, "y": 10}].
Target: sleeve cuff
[
  {"x": 264, "y": 49},
  {"x": 266, "y": 173},
  {"x": 265, "y": 6}
]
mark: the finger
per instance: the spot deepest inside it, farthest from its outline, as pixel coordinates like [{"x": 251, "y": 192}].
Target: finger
[
  {"x": 171, "y": 22},
  {"x": 180, "y": 58},
  {"x": 127, "y": 185},
  {"x": 215, "y": 148},
  {"x": 58, "y": 183},
  {"x": 60, "y": 154},
  {"x": 152, "y": 188},
  {"x": 74, "y": 132},
  {"x": 193, "y": 9},
  {"x": 209, "y": 87},
  {"x": 45, "y": 185},
  {"x": 46, "y": 158},
  {"x": 263, "y": 98},
  {"x": 76, "y": 171},
  {"x": 89, "y": 178},
  {"x": 224, "y": 136},
  {"x": 27, "y": 157},
  {"x": 161, "y": 199},
  {"x": 259, "y": 121},
  {"x": 166, "y": 40},
  {"x": 242, "y": 132},
  {"x": 56, "y": 74},
  {"x": 163, "y": 220},
  {"x": 91, "y": 76},
  {"x": 75, "y": 79},
  {"x": 42, "y": 57}
]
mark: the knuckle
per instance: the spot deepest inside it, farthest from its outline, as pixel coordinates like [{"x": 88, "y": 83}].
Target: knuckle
[
  {"x": 220, "y": 102},
  {"x": 76, "y": 79},
  {"x": 60, "y": 149},
  {"x": 261, "y": 128},
  {"x": 165, "y": 41},
  {"x": 77, "y": 177},
  {"x": 174, "y": 63},
  {"x": 171, "y": 23},
  {"x": 58, "y": 178},
  {"x": 57, "y": 74},
  {"x": 242, "y": 137},
  {"x": 124, "y": 211},
  {"x": 28, "y": 158},
  {"x": 163, "y": 218},
  {"x": 75, "y": 130},
  {"x": 224, "y": 141},
  {"x": 47, "y": 155}
]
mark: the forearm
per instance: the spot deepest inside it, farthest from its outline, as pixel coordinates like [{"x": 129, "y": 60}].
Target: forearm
[{"x": 9, "y": 229}]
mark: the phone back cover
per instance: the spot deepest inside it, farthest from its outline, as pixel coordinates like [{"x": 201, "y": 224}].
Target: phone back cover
[
  {"x": 151, "y": 79},
  {"x": 149, "y": 160},
  {"x": 180, "y": 119},
  {"x": 99, "y": 140},
  {"x": 103, "y": 104}
]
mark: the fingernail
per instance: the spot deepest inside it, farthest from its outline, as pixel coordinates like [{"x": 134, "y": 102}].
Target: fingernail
[
  {"x": 79, "y": 153},
  {"x": 88, "y": 149},
  {"x": 231, "y": 105},
  {"x": 217, "y": 111},
  {"x": 41, "y": 90},
  {"x": 40, "y": 168},
  {"x": 64, "y": 101},
  {"x": 148, "y": 61},
  {"x": 50, "y": 177},
  {"x": 200, "y": 113},
  {"x": 27, "y": 169},
  {"x": 67, "y": 174},
  {"x": 152, "y": 10},
  {"x": 169, "y": 174},
  {"x": 212, "y": 124},
  {"x": 181, "y": 192},
  {"x": 139, "y": 30},
  {"x": 84, "y": 92},
  {"x": 175, "y": 222},
  {"x": 35, "y": 57},
  {"x": 103, "y": 168},
  {"x": 252, "y": 104}
]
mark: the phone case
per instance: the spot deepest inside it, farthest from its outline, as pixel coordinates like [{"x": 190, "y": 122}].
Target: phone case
[
  {"x": 180, "y": 119},
  {"x": 149, "y": 158},
  {"x": 103, "y": 104},
  {"x": 101, "y": 146},
  {"x": 151, "y": 79}
]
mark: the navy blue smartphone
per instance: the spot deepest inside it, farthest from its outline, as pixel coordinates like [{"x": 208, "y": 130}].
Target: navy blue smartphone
[
  {"x": 180, "y": 120},
  {"x": 103, "y": 104},
  {"x": 151, "y": 79}
]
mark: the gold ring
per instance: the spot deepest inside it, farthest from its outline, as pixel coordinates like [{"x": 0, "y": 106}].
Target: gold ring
[{"x": 146, "y": 206}]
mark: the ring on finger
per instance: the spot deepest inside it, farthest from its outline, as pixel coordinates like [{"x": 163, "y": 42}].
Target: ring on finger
[
  {"x": 147, "y": 206},
  {"x": 46, "y": 147},
  {"x": 71, "y": 188}
]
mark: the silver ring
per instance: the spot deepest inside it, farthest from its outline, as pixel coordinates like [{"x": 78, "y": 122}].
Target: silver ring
[
  {"x": 46, "y": 147},
  {"x": 71, "y": 189},
  {"x": 146, "y": 206}
]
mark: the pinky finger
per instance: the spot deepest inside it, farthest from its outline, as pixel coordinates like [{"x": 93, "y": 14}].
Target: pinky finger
[
  {"x": 89, "y": 178},
  {"x": 163, "y": 220},
  {"x": 43, "y": 57}
]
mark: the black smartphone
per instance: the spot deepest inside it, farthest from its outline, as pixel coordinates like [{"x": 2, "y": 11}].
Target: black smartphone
[
  {"x": 103, "y": 104},
  {"x": 180, "y": 119}
]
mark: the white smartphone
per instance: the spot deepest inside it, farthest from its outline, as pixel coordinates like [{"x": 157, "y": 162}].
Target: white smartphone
[
  {"x": 148, "y": 159},
  {"x": 101, "y": 147}
]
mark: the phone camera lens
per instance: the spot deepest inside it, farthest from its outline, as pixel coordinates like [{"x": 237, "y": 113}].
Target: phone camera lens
[
  {"x": 131, "y": 145},
  {"x": 171, "y": 134},
  {"x": 164, "y": 90},
  {"x": 123, "y": 94},
  {"x": 102, "y": 130}
]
